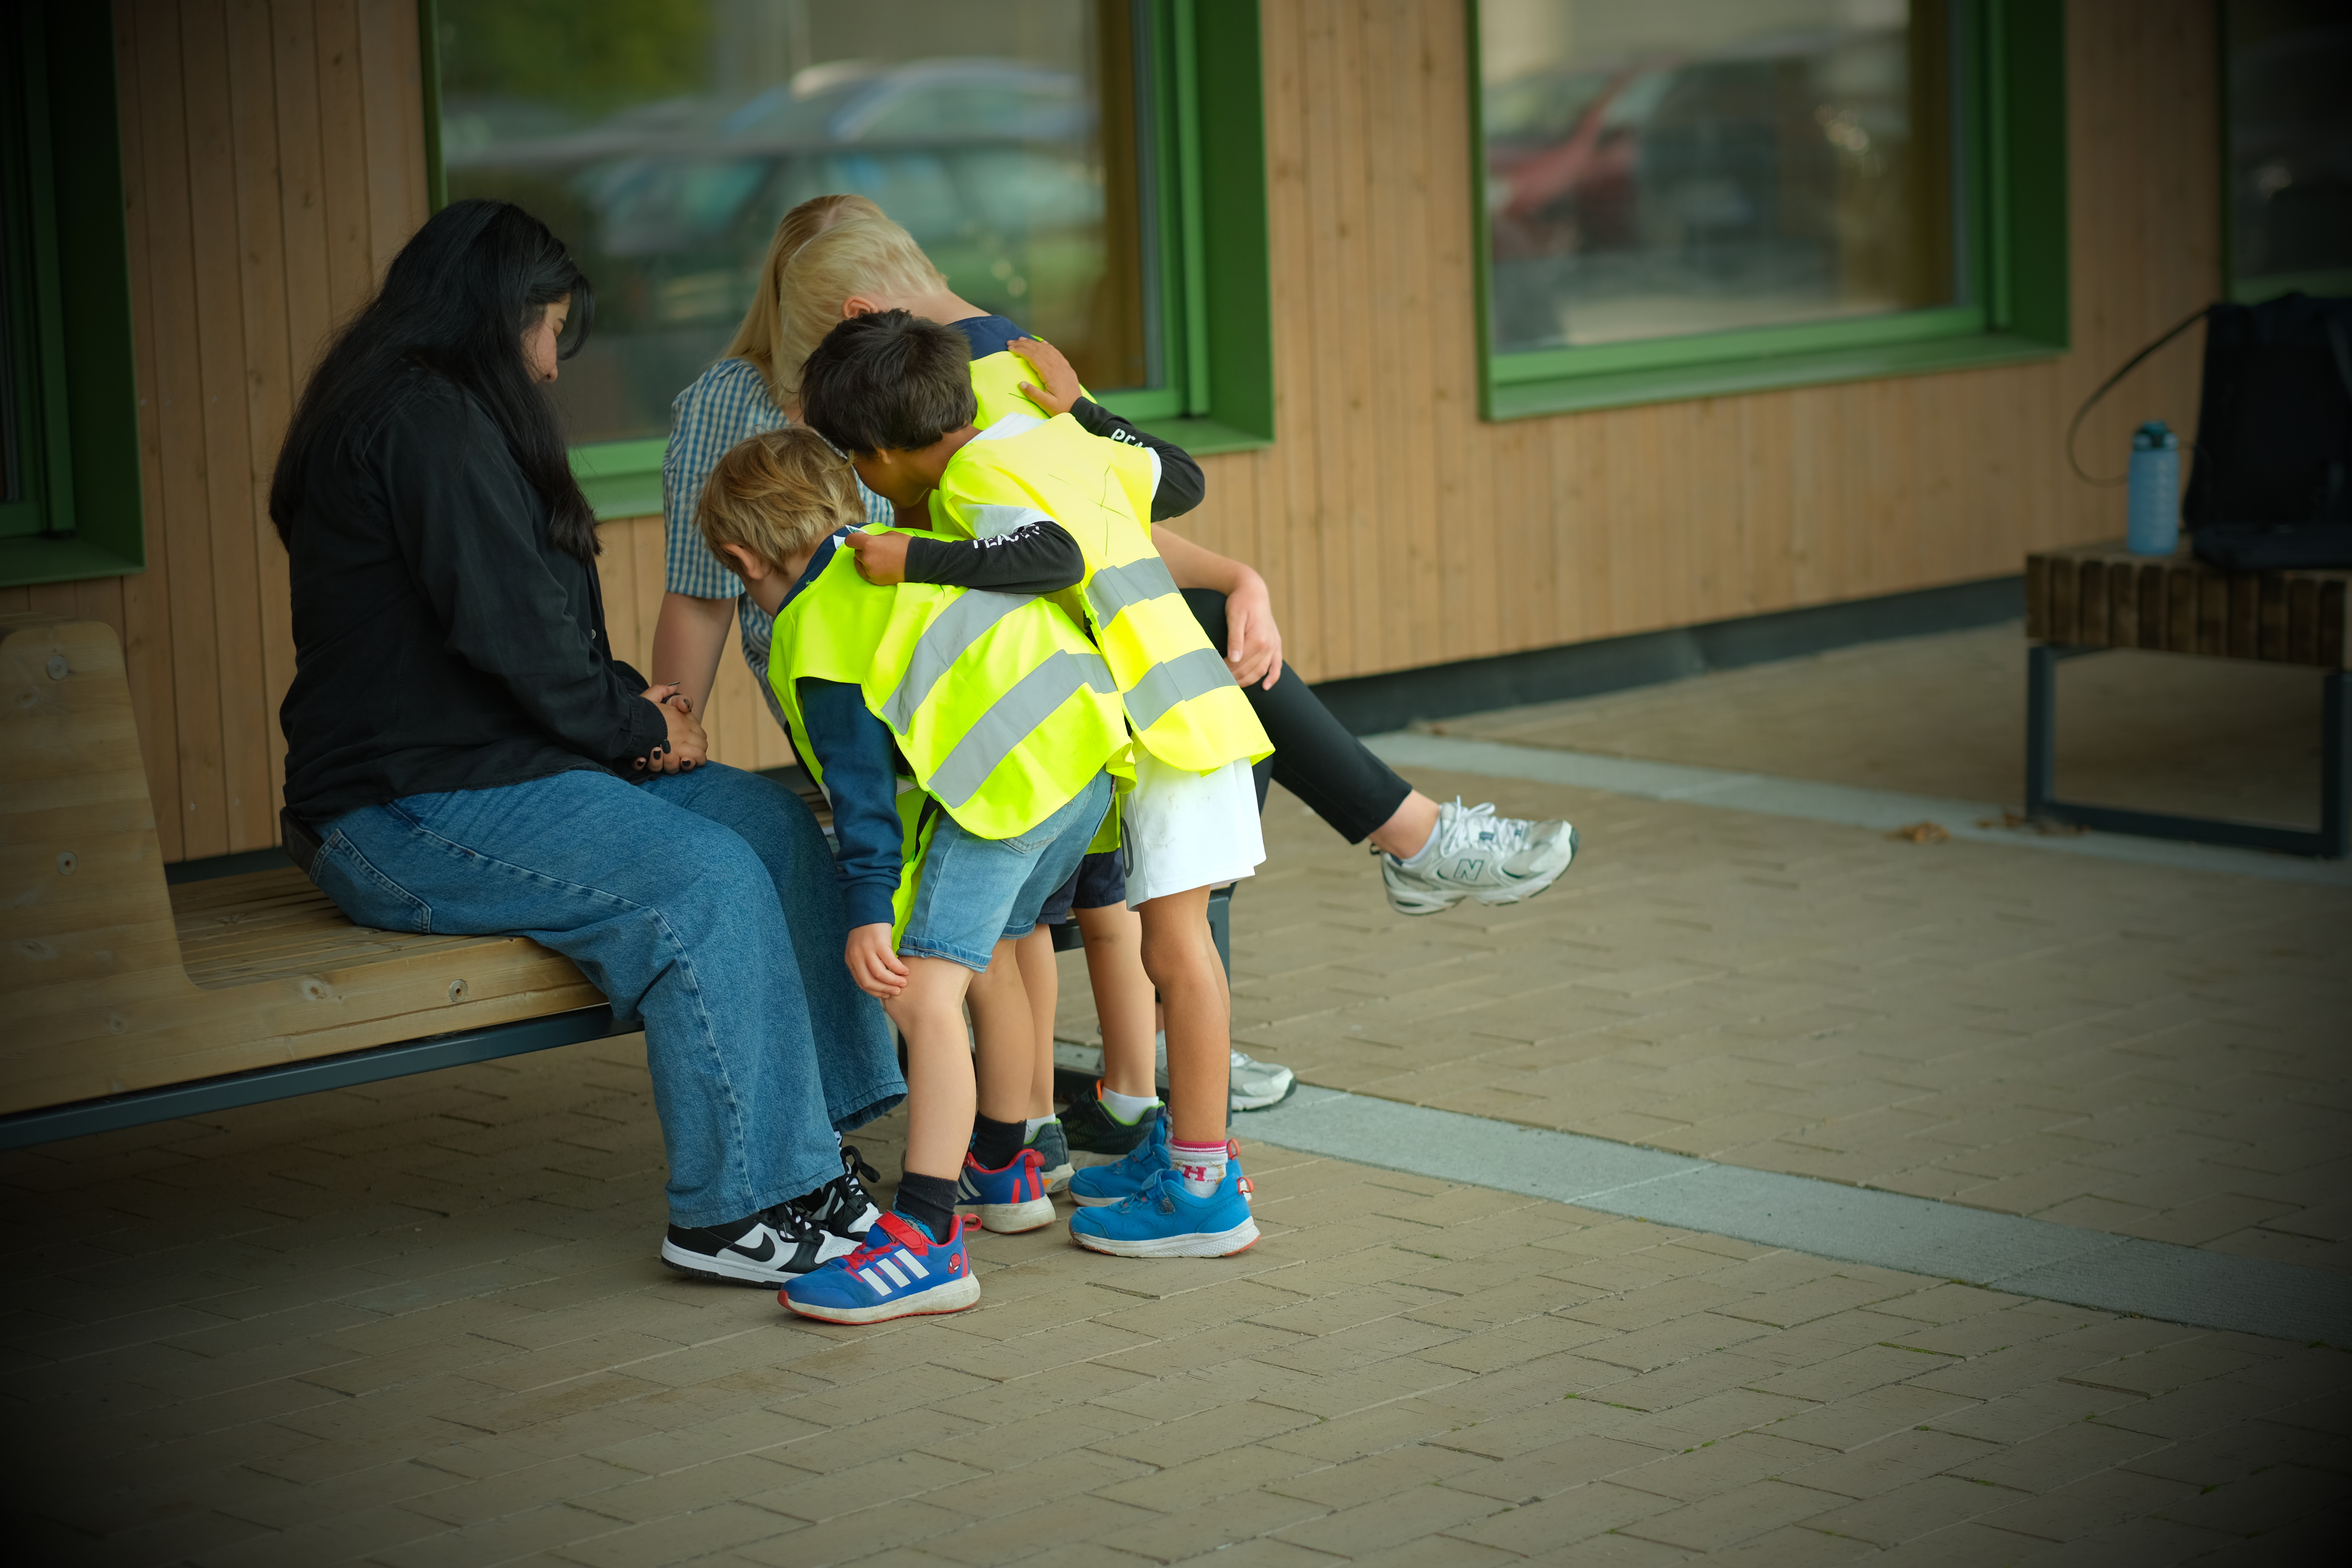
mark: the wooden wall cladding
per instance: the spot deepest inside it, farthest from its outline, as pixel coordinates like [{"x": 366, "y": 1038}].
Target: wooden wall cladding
[{"x": 274, "y": 162}]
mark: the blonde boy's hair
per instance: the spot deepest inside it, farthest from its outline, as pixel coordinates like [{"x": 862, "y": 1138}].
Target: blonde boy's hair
[
  {"x": 861, "y": 252},
  {"x": 777, "y": 494},
  {"x": 756, "y": 338}
]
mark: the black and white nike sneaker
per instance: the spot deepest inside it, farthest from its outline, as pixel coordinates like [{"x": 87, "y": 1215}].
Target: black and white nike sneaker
[
  {"x": 843, "y": 1206},
  {"x": 768, "y": 1249}
]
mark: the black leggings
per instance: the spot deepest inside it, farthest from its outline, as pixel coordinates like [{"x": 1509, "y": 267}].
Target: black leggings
[{"x": 1314, "y": 756}]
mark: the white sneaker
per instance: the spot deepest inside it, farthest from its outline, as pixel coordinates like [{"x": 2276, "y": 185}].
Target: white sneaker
[
  {"x": 1253, "y": 1085},
  {"x": 1494, "y": 859}
]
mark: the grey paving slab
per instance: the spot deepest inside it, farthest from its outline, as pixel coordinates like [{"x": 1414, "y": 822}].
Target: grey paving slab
[
  {"x": 1856, "y": 1224},
  {"x": 1846, "y": 804}
]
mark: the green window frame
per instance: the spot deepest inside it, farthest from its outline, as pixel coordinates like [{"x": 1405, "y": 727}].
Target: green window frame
[
  {"x": 2011, "y": 132},
  {"x": 1205, "y": 220},
  {"x": 71, "y": 393}
]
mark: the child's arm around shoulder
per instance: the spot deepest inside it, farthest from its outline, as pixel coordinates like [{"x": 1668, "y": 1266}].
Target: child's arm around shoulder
[{"x": 1182, "y": 483}]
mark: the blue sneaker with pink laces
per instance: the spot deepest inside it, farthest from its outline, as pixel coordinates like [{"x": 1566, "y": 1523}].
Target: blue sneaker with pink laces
[
  {"x": 899, "y": 1272},
  {"x": 1167, "y": 1219}
]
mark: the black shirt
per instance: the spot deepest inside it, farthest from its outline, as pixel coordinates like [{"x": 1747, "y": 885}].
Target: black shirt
[{"x": 441, "y": 641}]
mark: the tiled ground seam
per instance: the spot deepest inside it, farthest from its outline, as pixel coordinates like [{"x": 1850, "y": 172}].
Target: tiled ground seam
[
  {"x": 1844, "y": 804},
  {"x": 1856, "y": 1224}
]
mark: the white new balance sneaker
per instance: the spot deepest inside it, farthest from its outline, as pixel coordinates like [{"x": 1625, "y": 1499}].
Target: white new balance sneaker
[
  {"x": 1253, "y": 1086},
  {"x": 1475, "y": 853}
]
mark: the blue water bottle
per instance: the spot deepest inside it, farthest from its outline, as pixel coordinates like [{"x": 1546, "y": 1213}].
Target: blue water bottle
[{"x": 2153, "y": 526}]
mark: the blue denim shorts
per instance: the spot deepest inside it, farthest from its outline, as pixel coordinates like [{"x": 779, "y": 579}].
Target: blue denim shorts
[{"x": 976, "y": 892}]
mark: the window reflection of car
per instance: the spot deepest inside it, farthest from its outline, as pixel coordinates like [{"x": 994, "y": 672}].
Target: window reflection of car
[{"x": 988, "y": 164}]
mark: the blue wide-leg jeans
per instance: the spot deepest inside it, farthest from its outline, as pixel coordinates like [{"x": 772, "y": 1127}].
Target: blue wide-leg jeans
[{"x": 706, "y": 904}]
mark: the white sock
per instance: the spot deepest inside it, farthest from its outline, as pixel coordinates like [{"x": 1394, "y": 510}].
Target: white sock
[
  {"x": 1202, "y": 1165},
  {"x": 1421, "y": 856},
  {"x": 1033, "y": 1124},
  {"x": 1126, "y": 1108}
]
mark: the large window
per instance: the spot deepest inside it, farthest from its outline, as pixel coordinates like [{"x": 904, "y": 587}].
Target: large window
[
  {"x": 1040, "y": 151},
  {"x": 70, "y": 502},
  {"x": 2289, "y": 146},
  {"x": 1680, "y": 196}
]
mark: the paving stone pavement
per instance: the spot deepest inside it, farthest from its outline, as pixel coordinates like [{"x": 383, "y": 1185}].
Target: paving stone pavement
[
  {"x": 423, "y": 1323},
  {"x": 2135, "y": 1049}
]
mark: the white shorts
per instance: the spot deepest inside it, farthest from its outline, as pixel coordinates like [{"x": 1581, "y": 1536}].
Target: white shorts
[{"x": 1186, "y": 830}]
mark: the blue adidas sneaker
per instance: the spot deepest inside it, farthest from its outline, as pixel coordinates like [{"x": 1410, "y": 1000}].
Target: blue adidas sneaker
[
  {"x": 1123, "y": 1178},
  {"x": 899, "y": 1272},
  {"x": 1165, "y": 1220},
  {"x": 1012, "y": 1199}
]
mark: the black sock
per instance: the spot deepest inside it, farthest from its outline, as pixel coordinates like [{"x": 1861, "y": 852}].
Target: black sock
[
  {"x": 994, "y": 1143},
  {"x": 929, "y": 1202}
]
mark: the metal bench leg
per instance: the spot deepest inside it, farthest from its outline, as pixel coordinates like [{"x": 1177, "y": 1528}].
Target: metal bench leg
[
  {"x": 2041, "y": 730},
  {"x": 2334, "y": 765}
]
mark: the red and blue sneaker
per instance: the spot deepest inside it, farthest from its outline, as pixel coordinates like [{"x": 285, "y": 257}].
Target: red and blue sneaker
[
  {"x": 1167, "y": 1220},
  {"x": 1012, "y": 1199},
  {"x": 899, "y": 1272}
]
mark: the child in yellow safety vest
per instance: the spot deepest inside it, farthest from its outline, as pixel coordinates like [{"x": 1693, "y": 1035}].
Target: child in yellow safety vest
[
  {"x": 894, "y": 392},
  {"x": 968, "y": 743}
]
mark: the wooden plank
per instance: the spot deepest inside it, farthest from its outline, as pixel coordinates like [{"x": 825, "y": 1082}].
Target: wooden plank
[
  {"x": 343, "y": 144},
  {"x": 2037, "y": 597},
  {"x": 2123, "y": 605},
  {"x": 2091, "y": 605},
  {"x": 2245, "y": 617},
  {"x": 2302, "y": 620},
  {"x": 301, "y": 185},
  {"x": 146, "y": 619},
  {"x": 269, "y": 361},
  {"x": 249, "y": 736},
  {"x": 2180, "y": 612},
  {"x": 168, "y": 265},
  {"x": 392, "y": 111},
  {"x": 2273, "y": 618},
  {"x": 2065, "y": 583},
  {"x": 2213, "y": 613}
]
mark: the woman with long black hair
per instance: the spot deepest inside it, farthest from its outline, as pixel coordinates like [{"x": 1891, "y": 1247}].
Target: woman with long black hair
[{"x": 473, "y": 758}]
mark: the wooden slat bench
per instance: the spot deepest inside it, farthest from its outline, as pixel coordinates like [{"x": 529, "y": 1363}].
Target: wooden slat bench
[
  {"x": 126, "y": 1000},
  {"x": 2092, "y": 597}
]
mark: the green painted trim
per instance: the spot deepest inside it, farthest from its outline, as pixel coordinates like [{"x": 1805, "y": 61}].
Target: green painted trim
[
  {"x": 86, "y": 403},
  {"x": 1235, "y": 267},
  {"x": 1724, "y": 378},
  {"x": 1192, "y": 345},
  {"x": 1145, "y": 403},
  {"x": 1203, "y": 437},
  {"x": 2333, "y": 284},
  {"x": 1482, "y": 236},
  {"x": 621, "y": 478},
  {"x": 429, "y": 70},
  {"x": 1760, "y": 342},
  {"x": 2012, "y": 118}
]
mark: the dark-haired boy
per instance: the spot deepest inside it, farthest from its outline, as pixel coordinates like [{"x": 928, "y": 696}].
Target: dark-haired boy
[{"x": 894, "y": 392}]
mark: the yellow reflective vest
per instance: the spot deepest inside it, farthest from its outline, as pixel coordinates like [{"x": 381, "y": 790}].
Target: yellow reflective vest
[
  {"x": 1179, "y": 696},
  {"x": 1000, "y": 707}
]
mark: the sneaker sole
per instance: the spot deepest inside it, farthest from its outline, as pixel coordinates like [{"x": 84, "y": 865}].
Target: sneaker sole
[
  {"x": 1204, "y": 1244},
  {"x": 954, "y": 1296},
  {"x": 1059, "y": 1177},
  {"x": 1010, "y": 1219},
  {"x": 1085, "y": 1201},
  {"x": 1263, "y": 1102},
  {"x": 700, "y": 1265}
]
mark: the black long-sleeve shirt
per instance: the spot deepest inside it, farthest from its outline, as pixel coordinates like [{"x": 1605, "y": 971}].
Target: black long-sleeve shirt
[{"x": 441, "y": 641}]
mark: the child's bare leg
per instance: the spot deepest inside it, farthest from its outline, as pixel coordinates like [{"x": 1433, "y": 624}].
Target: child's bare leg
[
  {"x": 940, "y": 1088},
  {"x": 1005, "y": 1033},
  {"x": 1043, "y": 982},
  {"x": 1182, "y": 960},
  {"x": 1123, "y": 1000}
]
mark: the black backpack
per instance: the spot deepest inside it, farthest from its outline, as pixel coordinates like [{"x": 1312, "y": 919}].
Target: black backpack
[{"x": 2271, "y": 486}]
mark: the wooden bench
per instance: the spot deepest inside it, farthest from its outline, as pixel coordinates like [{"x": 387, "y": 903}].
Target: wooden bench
[
  {"x": 128, "y": 1001},
  {"x": 2092, "y": 597}
]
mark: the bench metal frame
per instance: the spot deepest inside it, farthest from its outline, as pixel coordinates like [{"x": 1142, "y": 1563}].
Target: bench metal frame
[
  {"x": 2332, "y": 840},
  {"x": 284, "y": 1081}
]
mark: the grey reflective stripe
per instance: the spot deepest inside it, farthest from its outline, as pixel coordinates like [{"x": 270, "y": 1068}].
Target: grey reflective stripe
[
  {"x": 991, "y": 521},
  {"x": 943, "y": 642},
  {"x": 1013, "y": 718},
  {"x": 1114, "y": 588},
  {"x": 1180, "y": 679}
]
